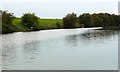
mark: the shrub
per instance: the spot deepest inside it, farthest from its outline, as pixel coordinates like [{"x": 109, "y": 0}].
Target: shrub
[
  {"x": 70, "y": 21},
  {"x": 30, "y": 20},
  {"x": 7, "y": 19}
]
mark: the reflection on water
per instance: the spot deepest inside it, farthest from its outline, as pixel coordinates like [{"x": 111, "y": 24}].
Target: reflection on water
[
  {"x": 73, "y": 49},
  {"x": 98, "y": 34},
  {"x": 90, "y": 36},
  {"x": 30, "y": 50},
  {"x": 72, "y": 40}
]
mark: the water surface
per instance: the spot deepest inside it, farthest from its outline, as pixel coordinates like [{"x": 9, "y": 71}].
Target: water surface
[{"x": 64, "y": 49}]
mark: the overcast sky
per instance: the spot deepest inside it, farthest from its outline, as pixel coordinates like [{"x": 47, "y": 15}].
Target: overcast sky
[{"x": 59, "y": 8}]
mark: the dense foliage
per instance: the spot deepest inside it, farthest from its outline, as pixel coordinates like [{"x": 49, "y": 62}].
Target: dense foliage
[
  {"x": 92, "y": 20},
  {"x": 86, "y": 19},
  {"x": 70, "y": 20},
  {"x": 30, "y": 20},
  {"x": 7, "y": 26}
]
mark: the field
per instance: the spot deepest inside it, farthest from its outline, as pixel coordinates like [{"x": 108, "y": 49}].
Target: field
[
  {"x": 50, "y": 23},
  {"x": 43, "y": 24}
]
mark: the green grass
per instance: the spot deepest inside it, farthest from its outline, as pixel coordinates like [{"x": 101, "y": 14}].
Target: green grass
[
  {"x": 41, "y": 21},
  {"x": 50, "y": 23},
  {"x": 19, "y": 27},
  {"x": 44, "y": 24},
  {"x": 17, "y": 21}
]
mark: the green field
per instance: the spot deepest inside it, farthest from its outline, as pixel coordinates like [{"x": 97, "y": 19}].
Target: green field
[
  {"x": 43, "y": 24},
  {"x": 50, "y": 23}
]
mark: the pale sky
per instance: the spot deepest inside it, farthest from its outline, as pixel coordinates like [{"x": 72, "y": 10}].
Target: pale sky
[{"x": 59, "y": 8}]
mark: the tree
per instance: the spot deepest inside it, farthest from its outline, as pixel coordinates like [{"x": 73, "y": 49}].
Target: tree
[
  {"x": 97, "y": 21},
  {"x": 7, "y": 19},
  {"x": 30, "y": 20},
  {"x": 86, "y": 19},
  {"x": 70, "y": 21}
]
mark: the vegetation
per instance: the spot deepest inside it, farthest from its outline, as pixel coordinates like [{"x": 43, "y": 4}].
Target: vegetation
[
  {"x": 104, "y": 20},
  {"x": 30, "y": 22},
  {"x": 50, "y": 24},
  {"x": 7, "y": 26},
  {"x": 70, "y": 21},
  {"x": 86, "y": 19}
]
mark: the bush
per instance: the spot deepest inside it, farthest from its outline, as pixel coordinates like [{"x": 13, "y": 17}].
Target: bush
[
  {"x": 30, "y": 20},
  {"x": 7, "y": 19},
  {"x": 70, "y": 21}
]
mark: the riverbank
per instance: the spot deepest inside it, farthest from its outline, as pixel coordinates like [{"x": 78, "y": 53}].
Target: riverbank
[
  {"x": 46, "y": 24},
  {"x": 30, "y": 22},
  {"x": 59, "y": 30},
  {"x": 43, "y": 24}
]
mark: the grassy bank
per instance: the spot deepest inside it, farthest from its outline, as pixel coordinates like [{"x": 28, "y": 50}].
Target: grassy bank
[
  {"x": 44, "y": 24},
  {"x": 50, "y": 23}
]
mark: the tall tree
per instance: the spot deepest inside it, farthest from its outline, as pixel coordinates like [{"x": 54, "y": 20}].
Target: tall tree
[
  {"x": 70, "y": 20},
  {"x": 30, "y": 20},
  {"x": 86, "y": 19},
  {"x": 7, "y": 19}
]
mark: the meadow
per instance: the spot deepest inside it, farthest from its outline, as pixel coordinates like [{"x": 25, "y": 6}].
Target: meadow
[{"x": 44, "y": 24}]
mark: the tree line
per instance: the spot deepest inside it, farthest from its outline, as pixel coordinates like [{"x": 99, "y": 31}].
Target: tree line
[
  {"x": 91, "y": 20},
  {"x": 30, "y": 20}
]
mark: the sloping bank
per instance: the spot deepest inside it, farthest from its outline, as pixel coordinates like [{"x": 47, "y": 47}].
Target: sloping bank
[{"x": 43, "y": 24}]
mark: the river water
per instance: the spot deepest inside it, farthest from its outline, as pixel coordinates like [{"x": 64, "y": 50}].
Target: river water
[{"x": 62, "y": 49}]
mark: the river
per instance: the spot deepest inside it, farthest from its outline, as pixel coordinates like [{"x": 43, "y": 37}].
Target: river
[{"x": 60, "y": 49}]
